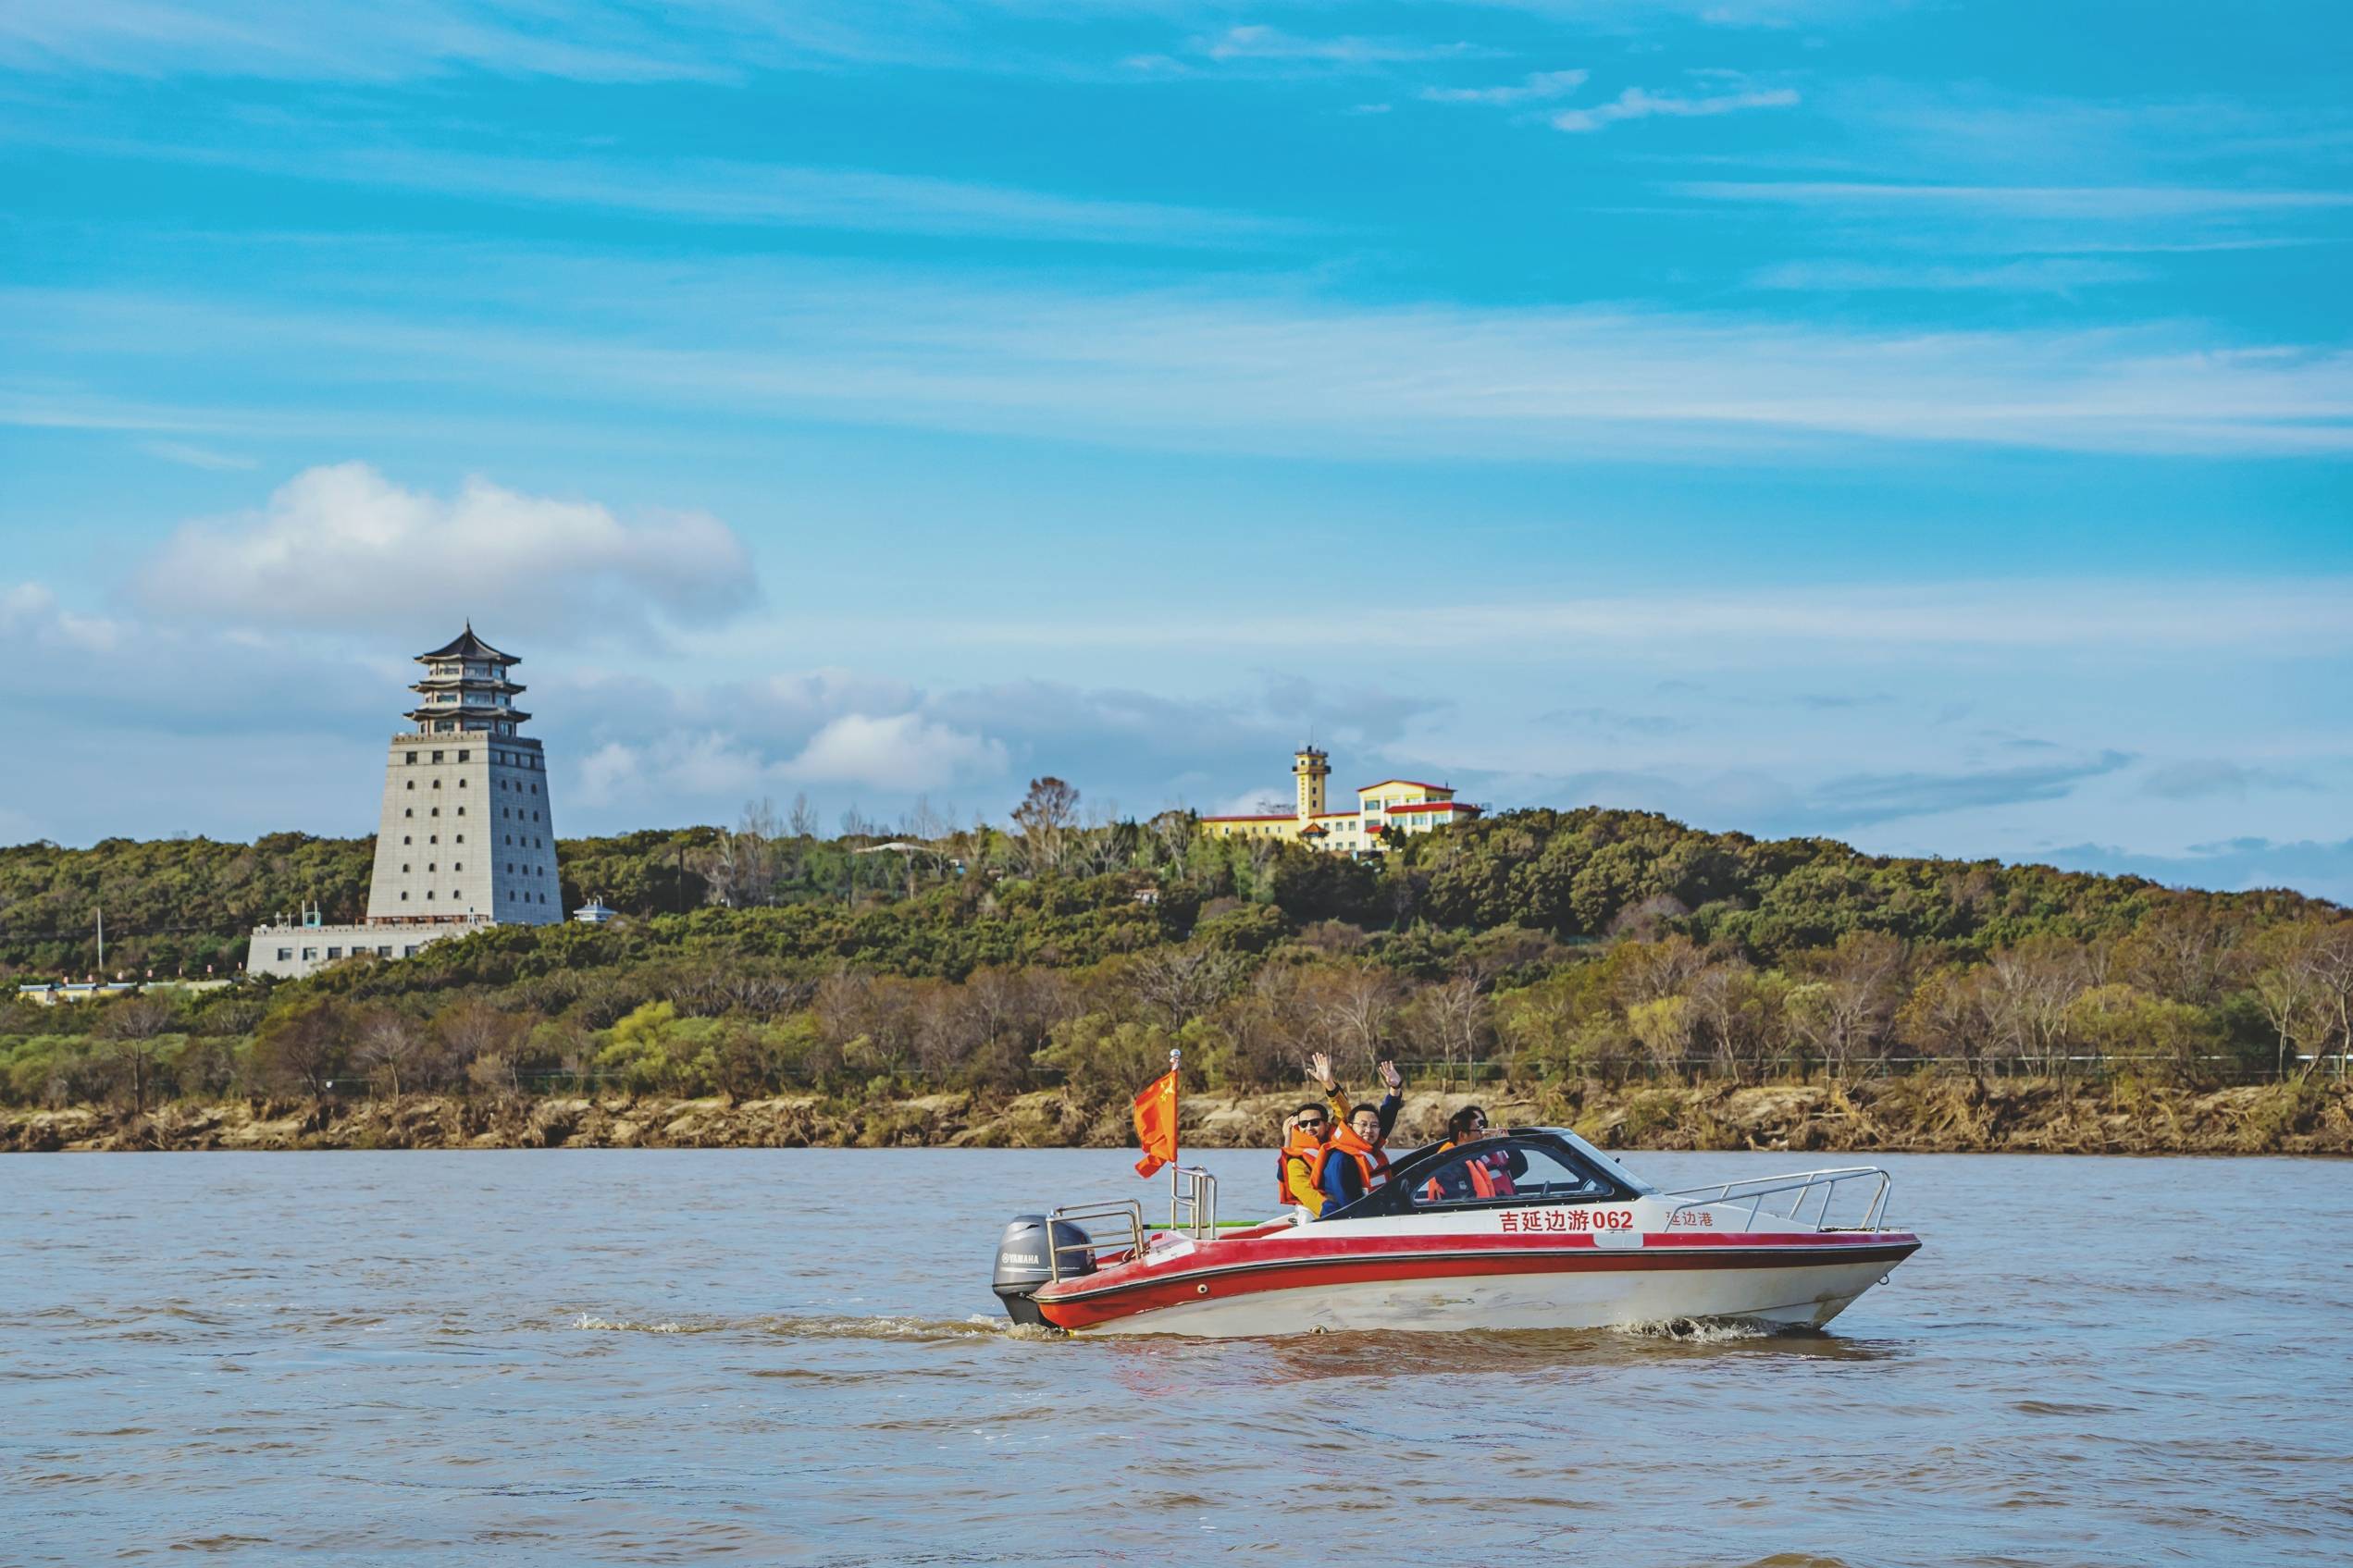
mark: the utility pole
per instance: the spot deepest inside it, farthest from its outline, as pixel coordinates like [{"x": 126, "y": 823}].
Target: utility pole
[{"x": 102, "y": 943}]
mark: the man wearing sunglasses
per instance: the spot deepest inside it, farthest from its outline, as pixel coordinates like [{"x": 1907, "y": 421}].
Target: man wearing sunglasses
[{"x": 1301, "y": 1159}]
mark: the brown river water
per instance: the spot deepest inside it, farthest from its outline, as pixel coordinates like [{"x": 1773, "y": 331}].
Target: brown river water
[{"x": 792, "y": 1356}]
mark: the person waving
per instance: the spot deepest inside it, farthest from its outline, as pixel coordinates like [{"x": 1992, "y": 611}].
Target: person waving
[{"x": 1356, "y": 1160}]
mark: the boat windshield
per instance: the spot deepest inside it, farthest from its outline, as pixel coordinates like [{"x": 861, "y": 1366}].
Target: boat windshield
[{"x": 1610, "y": 1166}]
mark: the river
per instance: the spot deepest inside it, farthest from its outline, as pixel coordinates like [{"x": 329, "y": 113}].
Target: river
[{"x": 792, "y": 1356}]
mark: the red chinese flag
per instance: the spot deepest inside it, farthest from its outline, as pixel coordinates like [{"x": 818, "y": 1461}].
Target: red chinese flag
[{"x": 1156, "y": 1123}]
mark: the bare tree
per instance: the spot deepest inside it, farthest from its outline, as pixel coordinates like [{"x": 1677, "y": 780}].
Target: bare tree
[
  {"x": 2028, "y": 988},
  {"x": 742, "y": 869},
  {"x": 1356, "y": 1014},
  {"x": 1045, "y": 817},
  {"x": 133, "y": 1030},
  {"x": 802, "y": 823},
  {"x": 1180, "y": 983},
  {"x": 1455, "y": 1010},
  {"x": 2183, "y": 951},
  {"x": 1846, "y": 1015},
  {"x": 1173, "y": 833},
  {"x": 396, "y": 1045}
]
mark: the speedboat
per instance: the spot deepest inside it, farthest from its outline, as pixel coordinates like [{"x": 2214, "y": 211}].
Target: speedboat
[{"x": 1531, "y": 1229}]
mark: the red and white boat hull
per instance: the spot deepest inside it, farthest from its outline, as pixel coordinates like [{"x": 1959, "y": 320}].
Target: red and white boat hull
[{"x": 1306, "y": 1278}]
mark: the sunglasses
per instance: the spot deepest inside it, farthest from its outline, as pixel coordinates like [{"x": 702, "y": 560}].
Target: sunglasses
[{"x": 1310, "y": 1122}]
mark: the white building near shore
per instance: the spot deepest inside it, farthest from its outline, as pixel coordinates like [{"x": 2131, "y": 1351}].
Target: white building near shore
[{"x": 468, "y": 835}]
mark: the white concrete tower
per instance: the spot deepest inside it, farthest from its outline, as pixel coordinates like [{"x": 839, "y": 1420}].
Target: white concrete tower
[{"x": 467, "y": 834}]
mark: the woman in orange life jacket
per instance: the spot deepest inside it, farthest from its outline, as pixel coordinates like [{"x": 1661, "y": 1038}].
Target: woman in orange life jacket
[
  {"x": 1358, "y": 1157},
  {"x": 1477, "y": 1176},
  {"x": 1300, "y": 1157}
]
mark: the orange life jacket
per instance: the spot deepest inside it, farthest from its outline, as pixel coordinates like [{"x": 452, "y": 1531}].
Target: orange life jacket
[
  {"x": 1300, "y": 1147},
  {"x": 1372, "y": 1160},
  {"x": 1491, "y": 1175}
]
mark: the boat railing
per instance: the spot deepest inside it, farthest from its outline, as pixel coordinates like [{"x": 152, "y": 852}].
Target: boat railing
[
  {"x": 1799, "y": 1190},
  {"x": 1193, "y": 1202},
  {"x": 1063, "y": 1258},
  {"x": 1193, "y": 1212}
]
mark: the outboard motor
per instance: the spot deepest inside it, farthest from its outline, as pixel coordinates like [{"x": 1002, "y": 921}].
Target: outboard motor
[{"x": 1022, "y": 1265}]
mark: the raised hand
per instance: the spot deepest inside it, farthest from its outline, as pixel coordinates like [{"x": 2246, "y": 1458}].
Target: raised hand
[
  {"x": 1391, "y": 1077},
  {"x": 1320, "y": 1068}
]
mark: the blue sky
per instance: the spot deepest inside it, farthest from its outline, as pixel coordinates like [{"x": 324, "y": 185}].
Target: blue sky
[{"x": 1925, "y": 425}]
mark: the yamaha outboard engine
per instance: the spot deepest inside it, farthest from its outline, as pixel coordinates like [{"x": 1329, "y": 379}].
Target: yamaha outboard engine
[{"x": 1023, "y": 1263}]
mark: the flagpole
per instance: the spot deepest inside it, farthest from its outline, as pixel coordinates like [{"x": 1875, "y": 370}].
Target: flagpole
[{"x": 1175, "y": 1055}]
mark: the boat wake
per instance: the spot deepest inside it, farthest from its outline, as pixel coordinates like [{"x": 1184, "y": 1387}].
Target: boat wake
[
  {"x": 976, "y": 1327},
  {"x": 1706, "y": 1330}
]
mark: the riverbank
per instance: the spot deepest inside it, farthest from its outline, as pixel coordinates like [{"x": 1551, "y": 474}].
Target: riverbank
[{"x": 1923, "y": 1115}]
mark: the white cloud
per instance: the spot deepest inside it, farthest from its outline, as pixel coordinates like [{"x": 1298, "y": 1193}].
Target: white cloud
[
  {"x": 342, "y": 547},
  {"x": 1637, "y": 103},
  {"x": 1535, "y": 87},
  {"x": 901, "y": 752},
  {"x": 1260, "y": 42},
  {"x": 30, "y": 612}
]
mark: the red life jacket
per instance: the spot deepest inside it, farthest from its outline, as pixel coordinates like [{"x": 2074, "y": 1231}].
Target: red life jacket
[{"x": 1372, "y": 1160}]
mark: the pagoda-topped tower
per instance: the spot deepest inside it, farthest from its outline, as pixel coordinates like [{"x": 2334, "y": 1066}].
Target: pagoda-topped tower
[
  {"x": 467, "y": 834},
  {"x": 465, "y": 689}
]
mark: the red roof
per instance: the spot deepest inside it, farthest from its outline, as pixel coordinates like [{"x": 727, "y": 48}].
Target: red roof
[
  {"x": 1414, "y": 782},
  {"x": 1278, "y": 817},
  {"x": 1433, "y": 806}
]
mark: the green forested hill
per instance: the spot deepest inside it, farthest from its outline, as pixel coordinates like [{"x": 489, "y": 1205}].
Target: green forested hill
[{"x": 1536, "y": 942}]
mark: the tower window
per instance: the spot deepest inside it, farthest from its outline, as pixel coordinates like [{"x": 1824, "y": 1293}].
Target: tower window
[
  {"x": 408, "y": 811},
  {"x": 411, "y": 784},
  {"x": 436, "y": 783},
  {"x": 437, "y": 811},
  {"x": 411, "y": 756},
  {"x": 436, "y": 756},
  {"x": 464, "y": 757}
]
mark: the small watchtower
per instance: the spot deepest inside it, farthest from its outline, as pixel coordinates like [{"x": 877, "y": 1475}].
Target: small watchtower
[{"x": 1312, "y": 768}]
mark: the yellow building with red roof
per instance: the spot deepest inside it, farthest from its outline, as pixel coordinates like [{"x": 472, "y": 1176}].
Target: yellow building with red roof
[{"x": 1384, "y": 813}]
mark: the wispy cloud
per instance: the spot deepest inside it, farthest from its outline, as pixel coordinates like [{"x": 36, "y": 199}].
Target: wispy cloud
[
  {"x": 2287, "y": 616},
  {"x": 730, "y": 193},
  {"x": 1259, "y": 43},
  {"x": 286, "y": 39},
  {"x": 1255, "y": 370},
  {"x": 1636, "y": 103},
  {"x": 2055, "y": 200},
  {"x": 1536, "y": 87},
  {"x": 190, "y": 456},
  {"x": 1862, "y": 799},
  {"x": 2047, "y": 275}
]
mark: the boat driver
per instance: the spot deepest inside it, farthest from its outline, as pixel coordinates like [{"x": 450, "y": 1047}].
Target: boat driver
[{"x": 1477, "y": 1173}]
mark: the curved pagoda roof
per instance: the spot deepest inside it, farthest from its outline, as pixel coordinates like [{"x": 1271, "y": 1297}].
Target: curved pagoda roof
[{"x": 465, "y": 644}]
